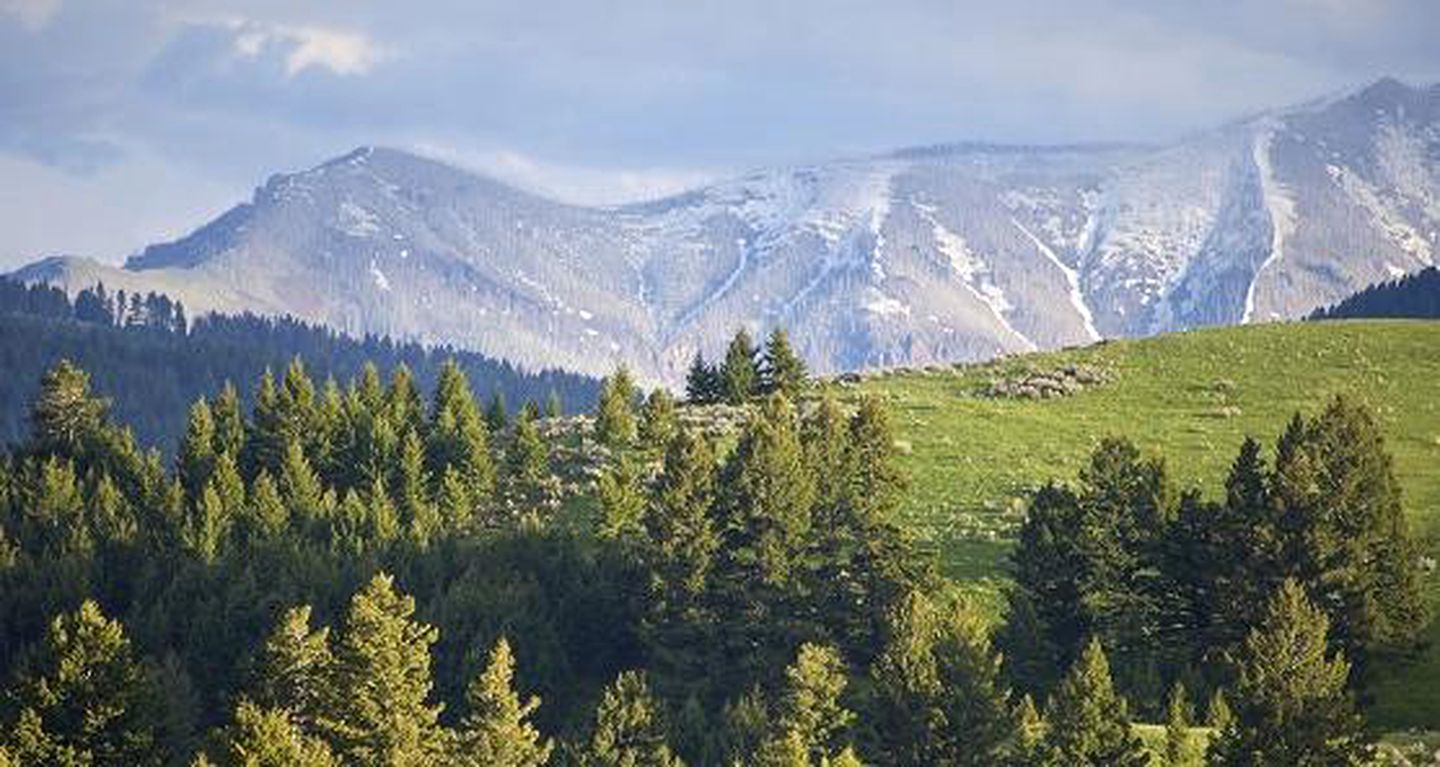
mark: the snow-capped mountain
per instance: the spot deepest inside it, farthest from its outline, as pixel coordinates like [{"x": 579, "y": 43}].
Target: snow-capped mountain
[{"x": 936, "y": 254}]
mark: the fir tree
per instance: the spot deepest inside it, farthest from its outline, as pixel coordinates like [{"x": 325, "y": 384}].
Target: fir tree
[
  {"x": 1178, "y": 717},
  {"x": 527, "y": 466},
  {"x": 702, "y": 382},
  {"x": 458, "y": 435},
  {"x": 782, "y": 370},
  {"x": 1292, "y": 704},
  {"x": 497, "y": 415},
  {"x": 739, "y": 378},
  {"x": 1217, "y": 712},
  {"x": 382, "y": 713},
  {"x": 941, "y": 698},
  {"x": 553, "y": 407},
  {"x": 1089, "y": 722},
  {"x": 295, "y": 669},
  {"x": 615, "y": 412},
  {"x": 229, "y": 422},
  {"x": 621, "y": 495},
  {"x": 259, "y": 737},
  {"x": 812, "y": 726},
  {"x": 658, "y": 420},
  {"x": 628, "y": 730},
  {"x": 85, "y": 699},
  {"x": 196, "y": 458},
  {"x": 497, "y": 732},
  {"x": 65, "y": 414}
]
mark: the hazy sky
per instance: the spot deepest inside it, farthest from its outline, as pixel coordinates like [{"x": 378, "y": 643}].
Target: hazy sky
[{"x": 124, "y": 122}]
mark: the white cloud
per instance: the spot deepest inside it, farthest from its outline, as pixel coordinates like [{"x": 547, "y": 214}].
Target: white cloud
[
  {"x": 305, "y": 47},
  {"x": 32, "y": 14}
]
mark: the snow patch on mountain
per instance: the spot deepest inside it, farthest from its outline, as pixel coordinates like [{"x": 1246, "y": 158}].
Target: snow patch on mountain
[
  {"x": 1279, "y": 205},
  {"x": 1072, "y": 280}
]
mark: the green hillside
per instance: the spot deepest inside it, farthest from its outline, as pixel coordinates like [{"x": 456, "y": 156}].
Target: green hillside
[{"x": 1191, "y": 397}]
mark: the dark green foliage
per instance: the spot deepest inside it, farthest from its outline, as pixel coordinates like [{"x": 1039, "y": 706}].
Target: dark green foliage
[
  {"x": 658, "y": 420},
  {"x": 628, "y": 731},
  {"x": 781, "y": 369},
  {"x": 615, "y": 424},
  {"x": 740, "y": 375},
  {"x": 1089, "y": 723},
  {"x": 1292, "y": 703},
  {"x": 702, "y": 382},
  {"x": 1415, "y": 295},
  {"x": 941, "y": 700},
  {"x": 154, "y": 368},
  {"x": 84, "y": 699},
  {"x": 496, "y": 732}
]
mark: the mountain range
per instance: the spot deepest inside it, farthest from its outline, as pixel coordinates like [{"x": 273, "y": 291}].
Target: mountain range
[{"x": 943, "y": 253}]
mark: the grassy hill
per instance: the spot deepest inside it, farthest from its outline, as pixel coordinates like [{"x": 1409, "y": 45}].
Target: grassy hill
[{"x": 1191, "y": 397}]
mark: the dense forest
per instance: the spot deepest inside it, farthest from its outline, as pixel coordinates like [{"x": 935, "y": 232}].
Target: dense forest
[
  {"x": 383, "y": 575},
  {"x": 1416, "y": 295},
  {"x": 143, "y": 352}
]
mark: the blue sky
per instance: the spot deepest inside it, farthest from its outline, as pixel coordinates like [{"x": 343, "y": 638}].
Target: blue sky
[{"x": 124, "y": 122}]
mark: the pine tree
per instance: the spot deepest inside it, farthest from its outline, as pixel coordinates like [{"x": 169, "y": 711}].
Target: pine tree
[
  {"x": 65, "y": 414},
  {"x": 266, "y": 515},
  {"x": 769, "y": 495},
  {"x": 1292, "y": 704},
  {"x": 229, "y": 422},
  {"x": 628, "y": 730},
  {"x": 1346, "y": 537},
  {"x": 417, "y": 515},
  {"x": 300, "y": 487},
  {"x": 1179, "y": 715},
  {"x": 196, "y": 458},
  {"x": 701, "y": 382},
  {"x": 1089, "y": 721},
  {"x": 621, "y": 495},
  {"x": 782, "y": 370},
  {"x": 497, "y": 415},
  {"x": 812, "y": 726},
  {"x": 739, "y": 378},
  {"x": 260, "y": 737},
  {"x": 265, "y": 441},
  {"x": 553, "y": 406},
  {"x": 615, "y": 411},
  {"x": 527, "y": 466},
  {"x": 381, "y": 713},
  {"x": 458, "y": 435},
  {"x": 1217, "y": 712},
  {"x": 295, "y": 669},
  {"x": 85, "y": 699},
  {"x": 497, "y": 732},
  {"x": 942, "y": 701},
  {"x": 658, "y": 420}
]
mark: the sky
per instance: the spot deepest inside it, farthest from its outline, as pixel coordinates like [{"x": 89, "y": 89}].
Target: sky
[{"x": 127, "y": 122}]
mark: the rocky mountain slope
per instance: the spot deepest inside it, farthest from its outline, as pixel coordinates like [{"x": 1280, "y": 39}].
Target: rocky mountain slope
[{"x": 943, "y": 253}]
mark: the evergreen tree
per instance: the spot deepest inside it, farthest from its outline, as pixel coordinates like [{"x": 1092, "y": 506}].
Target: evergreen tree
[
  {"x": 1292, "y": 703},
  {"x": 782, "y": 370},
  {"x": 417, "y": 516},
  {"x": 941, "y": 700},
  {"x": 1089, "y": 722},
  {"x": 615, "y": 412},
  {"x": 527, "y": 466},
  {"x": 266, "y": 515},
  {"x": 229, "y": 422},
  {"x": 382, "y": 713},
  {"x": 65, "y": 414},
  {"x": 628, "y": 730},
  {"x": 497, "y": 415},
  {"x": 553, "y": 407},
  {"x": 621, "y": 495},
  {"x": 458, "y": 435},
  {"x": 85, "y": 699},
  {"x": 295, "y": 669},
  {"x": 260, "y": 737},
  {"x": 658, "y": 420},
  {"x": 812, "y": 726},
  {"x": 1179, "y": 715},
  {"x": 1345, "y": 534},
  {"x": 196, "y": 457},
  {"x": 702, "y": 382},
  {"x": 1217, "y": 712},
  {"x": 497, "y": 732},
  {"x": 739, "y": 377}
]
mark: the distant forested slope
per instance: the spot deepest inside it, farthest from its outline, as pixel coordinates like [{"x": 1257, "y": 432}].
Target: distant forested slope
[
  {"x": 142, "y": 353},
  {"x": 1415, "y": 295}
]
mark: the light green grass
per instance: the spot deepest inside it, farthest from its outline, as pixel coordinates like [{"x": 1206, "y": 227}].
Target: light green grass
[{"x": 1191, "y": 397}]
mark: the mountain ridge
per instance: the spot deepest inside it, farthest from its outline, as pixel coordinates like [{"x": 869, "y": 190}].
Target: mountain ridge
[{"x": 926, "y": 254}]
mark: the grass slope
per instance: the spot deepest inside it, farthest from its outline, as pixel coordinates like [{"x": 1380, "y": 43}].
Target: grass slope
[{"x": 1191, "y": 397}]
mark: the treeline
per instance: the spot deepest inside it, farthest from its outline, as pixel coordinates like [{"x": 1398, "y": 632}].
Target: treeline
[
  {"x": 1416, "y": 295},
  {"x": 370, "y": 575},
  {"x": 747, "y": 371},
  {"x": 143, "y": 352}
]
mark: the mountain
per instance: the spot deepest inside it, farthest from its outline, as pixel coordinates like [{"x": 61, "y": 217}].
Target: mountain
[{"x": 943, "y": 253}]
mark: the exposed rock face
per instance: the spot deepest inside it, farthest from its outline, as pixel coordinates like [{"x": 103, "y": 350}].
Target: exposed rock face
[{"x": 940, "y": 254}]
